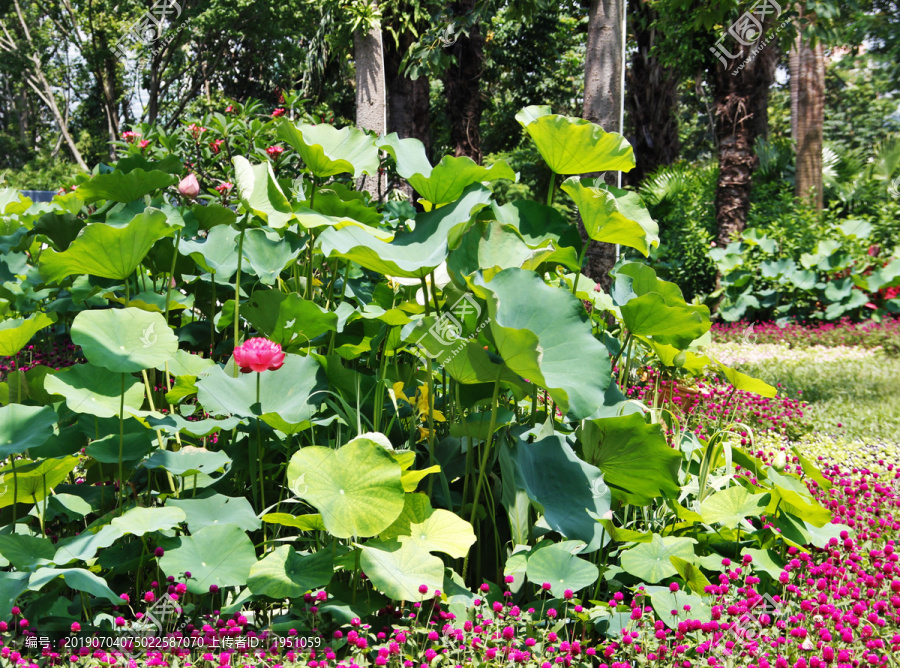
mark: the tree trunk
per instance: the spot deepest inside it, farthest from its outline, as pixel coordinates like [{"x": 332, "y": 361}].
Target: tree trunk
[
  {"x": 462, "y": 86},
  {"x": 106, "y": 75},
  {"x": 371, "y": 93},
  {"x": 602, "y": 99},
  {"x": 408, "y": 108},
  {"x": 741, "y": 97},
  {"x": 807, "y": 66},
  {"x": 651, "y": 98}
]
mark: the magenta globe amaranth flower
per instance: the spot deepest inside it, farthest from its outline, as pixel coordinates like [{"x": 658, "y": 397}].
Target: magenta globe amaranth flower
[
  {"x": 258, "y": 354},
  {"x": 189, "y": 186}
]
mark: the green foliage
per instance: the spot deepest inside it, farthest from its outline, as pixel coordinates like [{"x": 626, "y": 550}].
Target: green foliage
[{"x": 434, "y": 382}]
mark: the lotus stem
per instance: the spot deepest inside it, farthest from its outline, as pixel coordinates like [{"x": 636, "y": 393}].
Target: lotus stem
[
  {"x": 121, "y": 440},
  {"x": 172, "y": 273},
  {"x": 484, "y": 460},
  {"x": 237, "y": 293}
]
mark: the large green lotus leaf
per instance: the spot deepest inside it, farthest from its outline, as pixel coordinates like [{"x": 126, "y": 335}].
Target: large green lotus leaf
[
  {"x": 85, "y": 545},
  {"x": 412, "y": 255},
  {"x": 442, "y": 531},
  {"x": 336, "y": 201},
  {"x": 447, "y": 180},
  {"x": 490, "y": 246},
  {"x": 312, "y": 522},
  {"x": 185, "y": 364},
  {"x": 268, "y": 254},
  {"x": 26, "y": 553},
  {"x": 217, "y": 509},
  {"x": 655, "y": 308},
  {"x": 311, "y": 220},
  {"x": 562, "y": 569},
  {"x": 665, "y": 601},
  {"x": 124, "y": 340},
  {"x": 285, "y": 574},
  {"x": 106, "y": 251},
  {"x": 140, "y": 521},
  {"x": 34, "y": 480},
  {"x": 12, "y": 202},
  {"x": 119, "y": 187},
  {"x": 650, "y": 561},
  {"x": 409, "y": 155},
  {"x": 564, "y": 487},
  {"x": 152, "y": 302},
  {"x": 12, "y": 584},
  {"x": 466, "y": 361},
  {"x": 416, "y": 509},
  {"x": 16, "y": 333},
  {"x": 398, "y": 570},
  {"x": 742, "y": 381},
  {"x": 188, "y": 461},
  {"x": 106, "y": 448},
  {"x": 732, "y": 506},
  {"x": 613, "y": 215},
  {"x": 215, "y": 555},
  {"x": 260, "y": 192},
  {"x": 288, "y": 391},
  {"x": 693, "y": 576},
  {"x": 792, "y": 496},
  {"x": 540, "y": 225},
  {"x": 691, "y": 362},
  {"x": 574, "y": 145},
  {"x": 288, "y": 318},
  {"x": 23, "y": 427},
  {"x": 356, "y": 488},
  {"x": 213, "y": 215},
  {"x": 218, "y": 254},
  {"x": 78, "y": 579},
  {"x": 542, "y": 333},
  {"x": 328, "y": 151},
  {"x": 60, "y": 227},
  {"x": 632, "y": 454}
]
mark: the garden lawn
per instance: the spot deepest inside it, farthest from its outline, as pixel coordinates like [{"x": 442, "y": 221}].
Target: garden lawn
[{"x": 852, "y": 393}]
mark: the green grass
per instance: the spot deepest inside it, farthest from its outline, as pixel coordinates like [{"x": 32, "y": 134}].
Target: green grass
[{"x": 863, "y": 396}]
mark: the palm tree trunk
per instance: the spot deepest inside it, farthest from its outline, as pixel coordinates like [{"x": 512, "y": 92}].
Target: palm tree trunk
[
  {"x": 651, "y": 97},
  {"x": 741, "y": 97},
  {"x": 462, "y": 87},
  {"x": 602, "y": 95},
  {"x": 807, "y": 65}
]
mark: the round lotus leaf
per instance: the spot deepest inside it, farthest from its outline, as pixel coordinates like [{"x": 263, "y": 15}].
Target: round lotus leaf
[
  {"x": 398, "y": 570},
  {"x": 357, "y": 489},
  {"x": 124, "y": 340},
  {"x": 650, "y": 561},
  {"x": 562, "y": 569},
  {"x": 139, "y": 521},
  {"x": 442, "y": 531},
  {"x": 94, "y": 390},
  {"x": 216, "y": 555},
  {"x": 286, "y": 574},
  {"x": 23, "y": 427}
]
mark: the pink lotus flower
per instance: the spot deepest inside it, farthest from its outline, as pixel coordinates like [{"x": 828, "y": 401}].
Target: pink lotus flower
[
  {"x": 189, "y": 186},
  {"x": 258, "y": 355}
]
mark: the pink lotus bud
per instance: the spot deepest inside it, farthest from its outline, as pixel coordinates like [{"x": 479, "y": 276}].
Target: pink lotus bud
[{"x": 189, "y": 187}]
